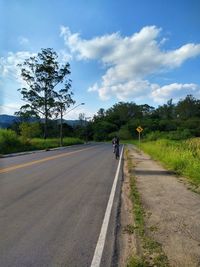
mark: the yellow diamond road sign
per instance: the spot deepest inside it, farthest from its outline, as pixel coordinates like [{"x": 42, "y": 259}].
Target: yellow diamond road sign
[{"x": 139, "y": 129}]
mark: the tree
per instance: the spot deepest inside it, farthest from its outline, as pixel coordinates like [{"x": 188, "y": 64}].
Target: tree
[
  {"x": 64, "y": 100},
  {"x": 166, "y": 111},
  {"x": 188, "y": 108},
  {"x": 101, "y": 113},
  {"x": 103, "y": 129},
  {"x": 82, "y": 118},
  {"x": 30, "y": 130},
  {"x": 43, "y": 75}
]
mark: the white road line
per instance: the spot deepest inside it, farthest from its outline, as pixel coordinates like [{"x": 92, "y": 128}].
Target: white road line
[{"x": 96, "y": 261}]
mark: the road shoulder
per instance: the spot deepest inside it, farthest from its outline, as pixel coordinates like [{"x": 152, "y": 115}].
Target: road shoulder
[{"x": 172, "y": 212}]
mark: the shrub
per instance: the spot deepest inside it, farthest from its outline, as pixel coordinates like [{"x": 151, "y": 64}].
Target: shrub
[
  {"x": 177, "y": 156},
  {"x": 30, "y": 130},
  {"x": 9, "y": 142},
  {"x": 38, "y": 143},
  {"x": 124, "y": 133},
  {"x": 179, "y": 134},
  {"x": 102, "y": 130},
  {"x": 153, "y": 136}
]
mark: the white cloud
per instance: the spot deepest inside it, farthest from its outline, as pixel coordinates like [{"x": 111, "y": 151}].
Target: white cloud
[
  {"x": 74, "y": 114},
  {"x": 23, "y": 40},
  {"x": 129, "y": 60},
  {"x": 10, "y": 108},
  {"x": 174, "y": 90},
  {"x": 8, "y": 65},
  {"x": 123, "y": 91},
  {"x": 64, "y": 57}
]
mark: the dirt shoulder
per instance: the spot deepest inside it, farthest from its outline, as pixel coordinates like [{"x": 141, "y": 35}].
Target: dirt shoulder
[
  {"x": 127, "y": 244},
  {"x": 173, "y": 211}
]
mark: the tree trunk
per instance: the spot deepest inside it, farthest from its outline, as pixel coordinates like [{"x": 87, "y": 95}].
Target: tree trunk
[
  {"x": 45, "y": 126},
  {"x": 61, "y": 127},
  {"x": 46, "y": 115}
]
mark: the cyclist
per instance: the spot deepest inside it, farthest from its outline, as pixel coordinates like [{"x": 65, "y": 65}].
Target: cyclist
[{"x": 115, "y": 142}]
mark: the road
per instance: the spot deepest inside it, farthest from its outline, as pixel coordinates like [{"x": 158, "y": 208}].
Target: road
[{"x": 52, "y": 205}]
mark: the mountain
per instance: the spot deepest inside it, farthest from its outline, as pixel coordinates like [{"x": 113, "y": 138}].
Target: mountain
[{"x": 7, "y": 120}]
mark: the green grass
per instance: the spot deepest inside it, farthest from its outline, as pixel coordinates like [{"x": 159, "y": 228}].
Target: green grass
[
  {"x": 11, "y": 143},
  {"x": 182, "y": 156},
  {"x": 136, "y": 262},
  {"x": 176, "y": 156},
  {"x": 38, "y": 143}
]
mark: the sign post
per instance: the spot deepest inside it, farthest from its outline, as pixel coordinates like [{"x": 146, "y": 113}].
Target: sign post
[{"x": 139, "y": 129}]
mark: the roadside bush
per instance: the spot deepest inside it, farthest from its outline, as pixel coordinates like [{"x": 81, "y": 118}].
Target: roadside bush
[
  {"x": 112, "y": 135},
  {"x": 179, "y": 134},
  {"x": 193, "y": 144},
  {"x": 103, "y": 129},
  {"x": 177, "y": 156},
  {"x": 124, "y": 133},
  {"x": 153, "y": 136},
  {"x": 30, "y": 130},
  {"x": 38, "y": 143},
  {"x": 9, "y": 142},
  {"x": 173, "y": 135}
]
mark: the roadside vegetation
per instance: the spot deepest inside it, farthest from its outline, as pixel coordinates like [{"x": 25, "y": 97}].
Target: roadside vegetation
[
  {"x": 149, "y": 251},
  {"x": 181, "y": 156},
  {"x": 10, "y": 142}
]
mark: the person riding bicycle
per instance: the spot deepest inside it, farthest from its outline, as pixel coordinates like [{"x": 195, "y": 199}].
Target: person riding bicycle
[{"x": 115, "y": 142}]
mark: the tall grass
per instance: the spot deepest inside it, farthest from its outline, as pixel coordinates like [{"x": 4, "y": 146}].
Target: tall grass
[
  {"x": 54, "y": 142},
  {"x": 11, "y": 143},
  {"x": 183, "y": 157}
]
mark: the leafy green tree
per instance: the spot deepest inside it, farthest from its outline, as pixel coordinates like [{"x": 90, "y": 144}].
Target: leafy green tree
[
  {"x": 120, "y": 113},
  {"x": 166, "y": 111},
  {"x": 82, "y": 118},
  {"x": 102, "y": 130},
  {"x": 30, "y": 130},
  {"x": 188, "y": 108},
  {"x": 124, "y": 133},
  {"x": 68, "y": 130},
  {"x": 43, "y": 75},
  {"x": 63, "y": 101},
  {"x": 170, "y": 120}
]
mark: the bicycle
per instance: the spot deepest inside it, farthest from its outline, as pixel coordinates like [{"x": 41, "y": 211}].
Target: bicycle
[{"x": 116, "y": 151}]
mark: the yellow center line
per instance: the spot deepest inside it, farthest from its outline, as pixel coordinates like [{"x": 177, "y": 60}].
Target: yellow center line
[{"x": 15, "y": 167}]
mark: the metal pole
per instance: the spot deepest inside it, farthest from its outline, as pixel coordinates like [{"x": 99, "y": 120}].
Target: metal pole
[
  {"x": 61, "y": 126},
  {"x": 86, "y": 130},
  {"x": 61, "y": 120},
  {"x": 74, "y": 108},
  {"x": 139, "y": 140}
]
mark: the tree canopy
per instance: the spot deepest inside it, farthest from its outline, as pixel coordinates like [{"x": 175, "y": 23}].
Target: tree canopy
[
  {"x": 47, "y": 91},
  {"x": 177, "y": 120}
]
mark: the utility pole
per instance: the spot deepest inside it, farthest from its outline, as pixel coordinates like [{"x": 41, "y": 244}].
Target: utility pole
[
  {"x": 61, "y": 119},
  {"x": 61, "y": 125},
  {"x": 139, "y": 129},
  {"x": 86, "y": 133}
]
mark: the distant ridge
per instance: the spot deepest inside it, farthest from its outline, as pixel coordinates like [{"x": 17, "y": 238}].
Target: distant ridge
[{"x": 8, "y": 120}]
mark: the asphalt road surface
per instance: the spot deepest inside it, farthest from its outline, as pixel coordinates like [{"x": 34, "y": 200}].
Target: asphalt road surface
[{"x": 52, "y": 205}]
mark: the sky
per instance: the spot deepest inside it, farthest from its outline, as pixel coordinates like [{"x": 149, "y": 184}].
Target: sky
[{"x": 141, "y": 51}]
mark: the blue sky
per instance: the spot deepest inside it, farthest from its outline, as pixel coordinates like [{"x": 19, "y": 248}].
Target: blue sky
[{"x": 142, "y": 51}]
